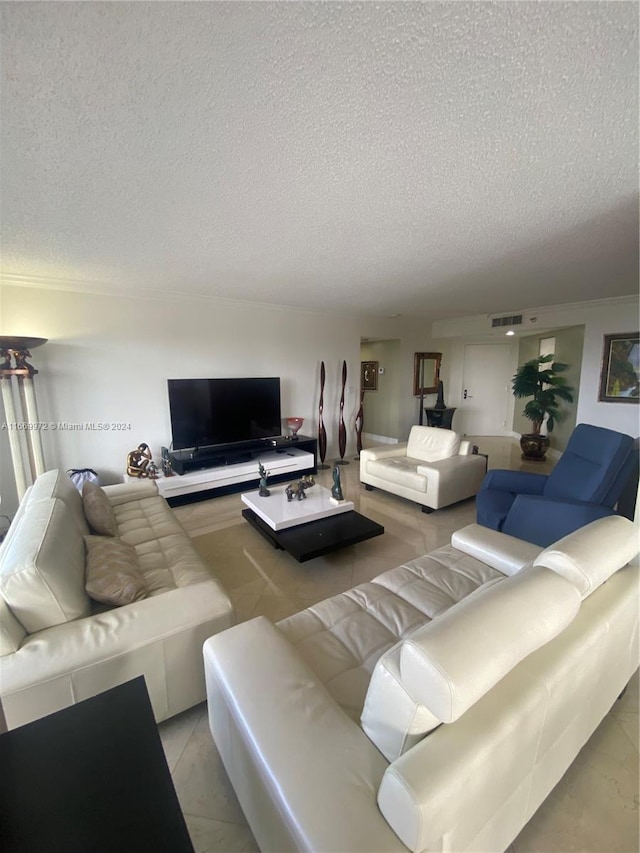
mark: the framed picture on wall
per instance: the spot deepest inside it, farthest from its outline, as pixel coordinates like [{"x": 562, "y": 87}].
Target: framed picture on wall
[
  {"x": 620, "y": 371},
  {"x": 369, "y": 375}
]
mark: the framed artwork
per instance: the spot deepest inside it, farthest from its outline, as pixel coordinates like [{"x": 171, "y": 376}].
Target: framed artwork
[
  {"x": 620, "y": 371},
  {"x": 369, "y": 375},
  {"x": 426, "y": 372}
]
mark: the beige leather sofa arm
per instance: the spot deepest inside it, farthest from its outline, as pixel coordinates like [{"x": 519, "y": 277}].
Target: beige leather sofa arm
[
  {"x": 474, "y": 769},
  {"x": 498, "y": 550},
  {"x": 375, "y": 453},
  {"x": 289, "y": 749},
  {"x": 160, "y": 637}
]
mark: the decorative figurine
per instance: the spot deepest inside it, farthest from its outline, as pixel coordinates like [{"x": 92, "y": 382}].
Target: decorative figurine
[
  {"x": 440, "y": 404},
  {"x": 6, "y": 354},
  {"x": 152, "y": 471},
  {"x": 336, "y": 489},
  {"x": 299, "y": 490},
  {"x": 21, "y": 357},
  {"x": 138, "y": 460},
  {"x": 295, "y": 492},
  {"x": 263, "y": 491}
]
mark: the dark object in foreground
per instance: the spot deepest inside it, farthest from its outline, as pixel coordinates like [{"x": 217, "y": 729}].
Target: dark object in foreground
[{"x": 91, "y": 777}]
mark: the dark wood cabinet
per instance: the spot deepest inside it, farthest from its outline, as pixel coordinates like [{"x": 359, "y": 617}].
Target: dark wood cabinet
[{"x": 439, "y": 417}]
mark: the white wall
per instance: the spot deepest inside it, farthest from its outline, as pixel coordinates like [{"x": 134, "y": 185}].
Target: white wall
[
  {"x": 108, "y": 361},
  {"x": 381, "y": 407},
  {"x": 568, "y": 349},
  {"x": 599, "y": 317},
  {"x": 416, "y": 336},
  {"x": 408, "y": 337}
]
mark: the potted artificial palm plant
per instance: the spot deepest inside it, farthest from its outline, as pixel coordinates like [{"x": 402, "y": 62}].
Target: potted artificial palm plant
[{"x": 546, "y": 388}]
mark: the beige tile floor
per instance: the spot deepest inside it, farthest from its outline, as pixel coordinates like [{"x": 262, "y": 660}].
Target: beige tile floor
[{"x": 594, "y": 809}]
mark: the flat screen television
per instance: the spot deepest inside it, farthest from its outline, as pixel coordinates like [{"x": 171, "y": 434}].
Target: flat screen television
[{"x": 211, "y": 412}]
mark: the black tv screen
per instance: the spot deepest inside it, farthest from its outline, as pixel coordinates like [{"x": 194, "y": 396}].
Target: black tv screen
[{"x": 206, "y": 412}]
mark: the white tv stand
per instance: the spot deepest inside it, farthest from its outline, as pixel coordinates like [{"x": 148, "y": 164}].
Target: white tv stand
[{"x": 285, "y": 462}]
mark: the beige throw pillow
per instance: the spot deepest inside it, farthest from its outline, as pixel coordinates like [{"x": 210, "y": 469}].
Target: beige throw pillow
[
  {"x": 113, "y": 575},
  {"x": 98, "y": 510}
]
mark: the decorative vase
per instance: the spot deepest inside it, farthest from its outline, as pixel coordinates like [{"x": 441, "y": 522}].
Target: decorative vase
[
  {"x": 342, "y": 430},
  {"x": 440, "y": 404},
  {"x": 322, "y": 433},
  {"x": 294, "y": 424},
  {"x": 534, "y": 447}
]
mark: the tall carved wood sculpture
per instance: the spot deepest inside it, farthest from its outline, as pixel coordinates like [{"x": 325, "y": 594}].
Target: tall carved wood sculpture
[
  {"x": 359, "y": 423},
  {"x": 342, "y": 430},
  {"x": 322, "y": 433}
]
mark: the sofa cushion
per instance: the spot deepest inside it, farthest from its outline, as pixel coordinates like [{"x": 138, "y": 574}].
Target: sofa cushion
[
  {"x": 57, "y": 484},
  {"x": 341, "y": 638},
  {"x": 429, "y": 444},
  {"x": 42, "y": 568},
  {"x": 113, "y": 574},
  {"x": 166, "y": 556},
  {"x": 400, "y": 470},
  {"x": 589, "y": 556},
  {"x": 98, "y": 510},
  {"x": 453, "y": 661}
]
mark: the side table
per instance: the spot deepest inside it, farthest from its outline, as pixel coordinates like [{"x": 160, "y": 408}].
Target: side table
[{"x": 91, "y": 777}]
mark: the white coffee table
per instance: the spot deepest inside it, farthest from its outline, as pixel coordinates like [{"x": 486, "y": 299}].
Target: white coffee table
[{"x": 280, "y": 513}]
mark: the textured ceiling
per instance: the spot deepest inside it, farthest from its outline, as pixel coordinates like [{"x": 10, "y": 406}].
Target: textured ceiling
[{"x": 439, "y": 159}]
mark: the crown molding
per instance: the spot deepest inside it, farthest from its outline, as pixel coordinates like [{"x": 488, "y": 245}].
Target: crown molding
[
  {"x": 101, "y": 288},
  {"x": 566, "y": 306}
]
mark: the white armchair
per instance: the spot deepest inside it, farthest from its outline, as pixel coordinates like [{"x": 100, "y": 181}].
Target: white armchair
[{"x": 434, "y": 468}]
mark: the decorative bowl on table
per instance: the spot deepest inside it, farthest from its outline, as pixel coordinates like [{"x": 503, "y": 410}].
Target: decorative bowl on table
[{"x": 294, "y": 424}]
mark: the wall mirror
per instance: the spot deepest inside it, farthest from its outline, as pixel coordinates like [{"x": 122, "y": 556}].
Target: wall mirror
[{"x": 426, "y": 373}]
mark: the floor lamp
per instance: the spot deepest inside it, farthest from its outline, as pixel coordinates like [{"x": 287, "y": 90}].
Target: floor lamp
[{"x": 20, "y": 409}]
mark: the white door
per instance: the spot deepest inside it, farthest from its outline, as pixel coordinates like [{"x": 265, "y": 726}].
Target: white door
[{"x": 485, "y": 389}]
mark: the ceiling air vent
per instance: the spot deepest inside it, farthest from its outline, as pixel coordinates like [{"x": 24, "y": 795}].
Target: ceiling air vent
[{"x": 515, "y": 320}]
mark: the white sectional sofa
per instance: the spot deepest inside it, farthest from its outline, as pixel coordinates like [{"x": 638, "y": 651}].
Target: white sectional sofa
[
  {"x": 434, "y": 468},
  {"x": 434, "y": 708},
  {"x": 57, "y": 647}
]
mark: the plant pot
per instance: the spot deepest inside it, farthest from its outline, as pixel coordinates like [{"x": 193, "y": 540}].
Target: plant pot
[{"x": 534, "y": 447}]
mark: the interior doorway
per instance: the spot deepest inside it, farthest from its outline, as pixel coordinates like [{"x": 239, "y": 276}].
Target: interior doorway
[{"x": 486, "y": 389}]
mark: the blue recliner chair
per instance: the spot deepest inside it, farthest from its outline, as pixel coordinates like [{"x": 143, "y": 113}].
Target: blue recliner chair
[{"x": 584, "y": 486}]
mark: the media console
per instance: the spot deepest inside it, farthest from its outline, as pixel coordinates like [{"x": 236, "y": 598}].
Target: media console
[{"x": 210, "y": 473}]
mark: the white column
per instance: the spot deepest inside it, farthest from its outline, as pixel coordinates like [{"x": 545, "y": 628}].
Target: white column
[
  {"x": 33, "y": 435},
  {"x": 14, "y": 435}
]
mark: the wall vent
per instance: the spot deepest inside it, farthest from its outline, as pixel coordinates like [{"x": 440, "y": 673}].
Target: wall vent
[{"x": 515, "y": 320}]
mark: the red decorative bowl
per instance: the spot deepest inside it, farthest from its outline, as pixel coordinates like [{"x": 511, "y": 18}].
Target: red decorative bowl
[{"x": 294, "y": 425}]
